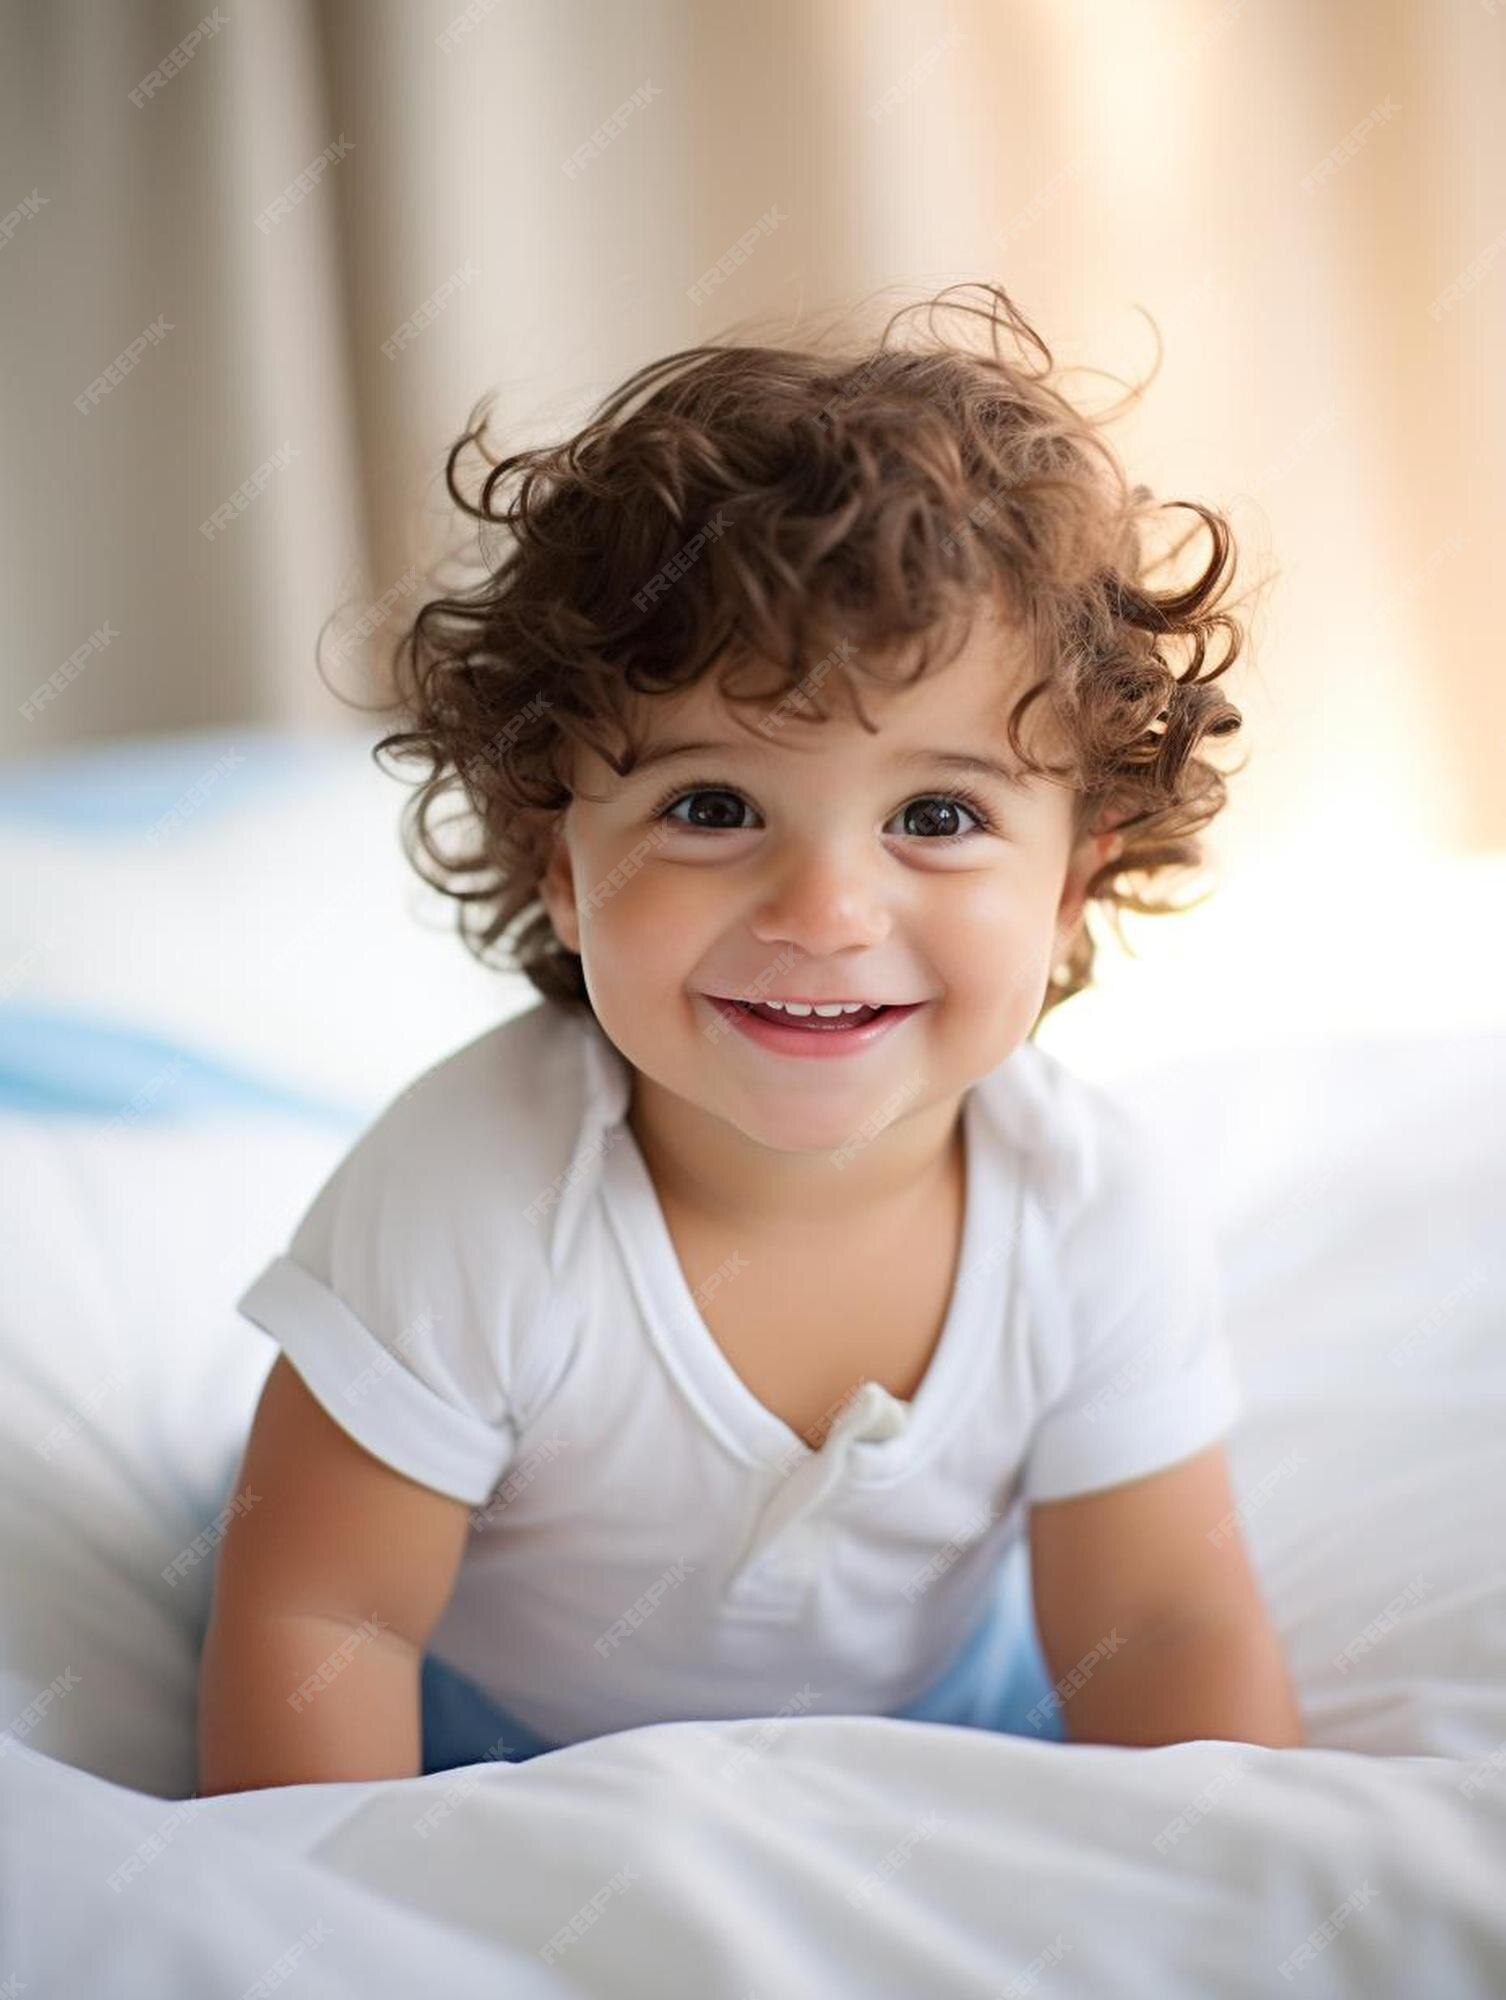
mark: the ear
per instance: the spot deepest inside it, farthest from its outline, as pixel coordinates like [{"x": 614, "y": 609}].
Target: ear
[
  {"x": 1089, "y": 855},
  {"x": 557, "y": 890}
]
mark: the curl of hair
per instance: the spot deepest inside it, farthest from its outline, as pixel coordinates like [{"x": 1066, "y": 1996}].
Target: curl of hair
[{"x": 739, "y": 504}]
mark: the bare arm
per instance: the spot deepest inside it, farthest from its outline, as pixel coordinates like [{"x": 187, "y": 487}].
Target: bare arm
[
  {"x": 1151, "y": 1618},
  {"x": 329, "y": 1581}
]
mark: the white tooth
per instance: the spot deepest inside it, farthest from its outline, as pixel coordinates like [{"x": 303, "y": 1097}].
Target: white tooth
[{"x": 827, "y": 1009}]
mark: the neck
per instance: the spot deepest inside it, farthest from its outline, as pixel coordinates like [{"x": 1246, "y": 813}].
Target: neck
[{"x": 702, "y": 1164}]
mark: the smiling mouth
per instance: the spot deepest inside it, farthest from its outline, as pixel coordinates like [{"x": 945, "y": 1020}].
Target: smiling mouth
[{"x": 814, "y": 1023}]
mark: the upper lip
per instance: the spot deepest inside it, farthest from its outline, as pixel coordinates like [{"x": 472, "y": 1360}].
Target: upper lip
[{"x": 807, "y": 1000}]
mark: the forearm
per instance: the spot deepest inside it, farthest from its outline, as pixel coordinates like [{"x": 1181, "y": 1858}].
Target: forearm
[
  {"x": 1187, "y": 1681},
  {"x": 296, "y": 1698}
]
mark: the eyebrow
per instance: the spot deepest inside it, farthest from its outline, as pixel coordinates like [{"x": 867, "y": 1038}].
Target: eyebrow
[{"x": 949, "y": 760}]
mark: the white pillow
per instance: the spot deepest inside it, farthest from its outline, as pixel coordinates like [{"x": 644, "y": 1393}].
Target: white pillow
[
  {"x": 127, "y": 1385},
  {"x": 1358, "y": 1191},
  {"x": 241, "y": 893}
]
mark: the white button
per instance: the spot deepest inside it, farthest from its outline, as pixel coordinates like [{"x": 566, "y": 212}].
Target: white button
[{"x": 878, "y": 1415}]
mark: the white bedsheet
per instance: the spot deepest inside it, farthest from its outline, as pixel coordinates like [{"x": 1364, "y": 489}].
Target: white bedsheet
[{"x": 798, "y": 1861}]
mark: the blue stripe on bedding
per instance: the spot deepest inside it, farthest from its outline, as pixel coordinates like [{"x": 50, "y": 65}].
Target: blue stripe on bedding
[
  {"x": 136, "y": 784},
  {"x": 78, "y": 1065}
]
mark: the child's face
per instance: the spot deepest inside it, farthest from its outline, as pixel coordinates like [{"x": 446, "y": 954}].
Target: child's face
[{"x": 834, "y": 879}]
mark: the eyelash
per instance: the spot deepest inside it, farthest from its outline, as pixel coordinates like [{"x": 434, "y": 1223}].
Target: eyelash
[{"x": 956, "y": 796}]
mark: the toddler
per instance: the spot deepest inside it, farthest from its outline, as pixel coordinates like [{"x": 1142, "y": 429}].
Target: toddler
[{"x": 760, "y": 1322}]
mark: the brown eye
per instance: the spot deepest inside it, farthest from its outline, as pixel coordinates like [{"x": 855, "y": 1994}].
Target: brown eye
[
  {"x": 945, "y": 807},
  {"x": 718, "y": 822}
]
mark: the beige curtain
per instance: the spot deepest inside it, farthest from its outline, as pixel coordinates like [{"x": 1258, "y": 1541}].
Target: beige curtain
[{"x": 257, "y": 263}]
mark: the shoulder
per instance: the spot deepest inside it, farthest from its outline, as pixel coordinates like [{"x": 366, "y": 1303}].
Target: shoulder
[
  {"x": 434, "y": 1238},
  {"x": 465, "y": 1156},
  {"x": 1134, "y": 1369},
  {"x": 1082, "y": 1147},
  {"x": 1115, "y": 1212},
  {"x": 519, "y": 1078}
]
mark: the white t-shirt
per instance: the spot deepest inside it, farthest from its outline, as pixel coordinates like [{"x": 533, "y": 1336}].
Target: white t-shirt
[{"x": 486, "y": 1296}]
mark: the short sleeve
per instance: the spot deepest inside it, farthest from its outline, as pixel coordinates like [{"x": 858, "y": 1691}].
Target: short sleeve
[
  {"x": 1149, "y": 1379},
  {"x": 381, "y": 1306}
]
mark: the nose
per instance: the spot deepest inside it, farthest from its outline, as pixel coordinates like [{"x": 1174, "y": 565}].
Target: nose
[{"x": 824, "y": 898}]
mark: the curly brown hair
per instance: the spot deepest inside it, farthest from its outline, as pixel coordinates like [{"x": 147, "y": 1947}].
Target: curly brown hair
[{"x": 738, "y": 503}]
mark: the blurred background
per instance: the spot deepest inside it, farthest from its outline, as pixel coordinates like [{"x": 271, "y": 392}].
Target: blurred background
[{"x": 259, "y": 262}]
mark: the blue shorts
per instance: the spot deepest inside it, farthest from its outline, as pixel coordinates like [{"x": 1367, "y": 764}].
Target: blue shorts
[{"x": 999, "y": 1680}]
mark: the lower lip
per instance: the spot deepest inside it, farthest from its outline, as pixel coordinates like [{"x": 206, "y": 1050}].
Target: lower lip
[{"x": 817, "y": 1042}]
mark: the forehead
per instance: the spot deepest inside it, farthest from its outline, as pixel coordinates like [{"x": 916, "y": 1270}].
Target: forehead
[{"x": 961, "y": 703}]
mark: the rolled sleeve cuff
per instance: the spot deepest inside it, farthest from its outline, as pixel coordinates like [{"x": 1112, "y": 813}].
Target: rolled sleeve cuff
[
  {"x": 369, "y": 1392},
  {"x": 1085, "y": 1450}
]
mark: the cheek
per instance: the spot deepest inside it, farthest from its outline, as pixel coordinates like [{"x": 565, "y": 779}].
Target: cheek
[
  {"x": 644, "y": 928},
  {"x": 993, "y": 912},
  {"x": 995, "y": 943}
]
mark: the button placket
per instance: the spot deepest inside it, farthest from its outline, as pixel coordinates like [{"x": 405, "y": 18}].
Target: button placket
[{"x": 776, "y": 1571}]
